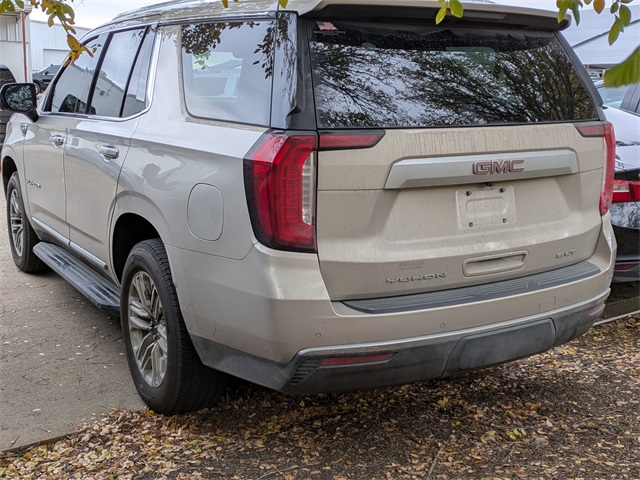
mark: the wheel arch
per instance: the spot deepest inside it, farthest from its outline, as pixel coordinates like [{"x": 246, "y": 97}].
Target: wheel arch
[
  {"x": 129, "y": 229},
  {"x": 9, "y": 167}
]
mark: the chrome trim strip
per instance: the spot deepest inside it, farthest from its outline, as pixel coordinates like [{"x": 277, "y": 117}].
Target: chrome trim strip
[
  {"x": 88, "y": 256},
  {"x": 213, "y": 18},
  {"x": 60, "y": 238},
  {"x": 438, "y": 171},
  {"x": 385, "y": 346}
]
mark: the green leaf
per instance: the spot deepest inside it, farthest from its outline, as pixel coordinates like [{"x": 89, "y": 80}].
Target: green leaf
[
  {"x": 225, "y": 3},
  {"x": 598, "y": 5},
  {"x": 561, "y": 13},
  {"x": 456, "y": 8},
  {"x": 283, "y": 3},
  {"x": 625, "y": 73},
  {"x": 19, "y": 3},
  {"x": 625, "y": 15},
  {"x": 441, "y": 13},
  {"x": 575, "y": 9},
  {"x": 614, "y": 32}
]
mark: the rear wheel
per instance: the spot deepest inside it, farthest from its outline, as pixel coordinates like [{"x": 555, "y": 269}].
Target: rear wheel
[
  {"x": 22, "y": 237},
  {"x": 164, "y": 364}
]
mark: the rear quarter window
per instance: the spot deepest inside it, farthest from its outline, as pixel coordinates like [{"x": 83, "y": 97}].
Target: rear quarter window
[
  {"x": 379, "y": 75},
  {"x": 225, "y": 70}
]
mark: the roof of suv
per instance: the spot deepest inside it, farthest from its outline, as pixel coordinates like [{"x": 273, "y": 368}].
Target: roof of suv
[{"x": 184, "y": 9}]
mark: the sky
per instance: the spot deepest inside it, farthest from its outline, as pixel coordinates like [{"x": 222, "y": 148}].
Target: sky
[{"x": 92, "y": 13}]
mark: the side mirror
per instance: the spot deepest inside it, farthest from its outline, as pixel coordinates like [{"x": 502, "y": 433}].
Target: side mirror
[{"x": 19, "y": 97}]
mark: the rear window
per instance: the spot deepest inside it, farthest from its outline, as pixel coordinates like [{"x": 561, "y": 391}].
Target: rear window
[{"x": 380, "y": 75}]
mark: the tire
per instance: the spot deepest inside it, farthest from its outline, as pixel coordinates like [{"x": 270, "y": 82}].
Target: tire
[
  {"x": 22, "y": 237},
  {"x": 166, "y": 369},
  {"x": 38, "y": 87}
]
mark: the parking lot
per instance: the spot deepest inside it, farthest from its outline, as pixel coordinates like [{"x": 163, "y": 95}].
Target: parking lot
[{"x": 61, "y": 359}]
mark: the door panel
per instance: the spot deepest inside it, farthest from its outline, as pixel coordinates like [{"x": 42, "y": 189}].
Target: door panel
[
  {"x": 94, "y": 154},
  {"x": 44, "y": 172}
]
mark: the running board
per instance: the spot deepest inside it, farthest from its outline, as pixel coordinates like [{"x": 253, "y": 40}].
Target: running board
[{"x": 100, "y": 291}]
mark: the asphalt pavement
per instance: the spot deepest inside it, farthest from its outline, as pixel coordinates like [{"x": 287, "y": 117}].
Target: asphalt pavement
[{"x": 61, "y": 359}]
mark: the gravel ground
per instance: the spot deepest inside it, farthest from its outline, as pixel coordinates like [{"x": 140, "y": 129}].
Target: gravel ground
[{"x": 573, "y": 412}]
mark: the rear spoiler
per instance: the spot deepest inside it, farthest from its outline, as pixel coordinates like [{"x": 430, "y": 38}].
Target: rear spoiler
[{"x": 420, "y": 11}]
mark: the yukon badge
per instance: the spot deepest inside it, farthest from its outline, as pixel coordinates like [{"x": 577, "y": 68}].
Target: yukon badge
[
  {"x": 504, "y": 166},
  {"x": 416, "y": 278}
]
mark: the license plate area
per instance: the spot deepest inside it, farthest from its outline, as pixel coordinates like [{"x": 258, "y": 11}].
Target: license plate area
[{"x": 485, "y": 207}]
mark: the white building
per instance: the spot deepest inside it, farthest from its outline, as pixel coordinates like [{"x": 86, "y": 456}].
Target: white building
[
  {"x": 49, "y": 44},
  {"x": 14, "y": 43},
  {"x": 590, "y": 38}
]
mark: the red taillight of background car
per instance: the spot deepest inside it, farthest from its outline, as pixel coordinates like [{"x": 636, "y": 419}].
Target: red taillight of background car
[
  {"x": 605, "y": 130},
  {"x": 625, "y": 191},
  {"x": 280, "y": 183}
]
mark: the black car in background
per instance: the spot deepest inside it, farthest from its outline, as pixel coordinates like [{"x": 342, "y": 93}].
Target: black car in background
[
  {"x": 625, "y": 209},
  {"x": 44, "y": 77},
  {"x": 5, "y": 77}
]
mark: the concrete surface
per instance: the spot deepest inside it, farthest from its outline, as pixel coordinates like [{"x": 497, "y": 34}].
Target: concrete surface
[{"x": 61, "y": 359}]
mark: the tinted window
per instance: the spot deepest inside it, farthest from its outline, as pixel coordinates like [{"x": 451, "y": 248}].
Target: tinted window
[
  {"x": 71, "y": 91},
  {"x": 136, "y": 98},
  {"x": 112, "y": 81},
  {"x": 226, "y": 69},
  {"x": 613, "y": 96},
  {"x": 372, "y": 75}
]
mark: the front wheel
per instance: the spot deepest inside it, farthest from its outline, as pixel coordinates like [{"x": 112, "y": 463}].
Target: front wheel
[
  {"x": 166, "y": 369},
  {"x": 22, "y": 237}
]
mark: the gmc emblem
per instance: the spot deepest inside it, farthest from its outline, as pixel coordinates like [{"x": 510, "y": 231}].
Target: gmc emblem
[{"x": 505, "y": 166}]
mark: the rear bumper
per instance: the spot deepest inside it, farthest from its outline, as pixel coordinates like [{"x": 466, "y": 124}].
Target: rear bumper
[
  {"x": 411, "y": 359},
  {"x": 269, "y": 319}
]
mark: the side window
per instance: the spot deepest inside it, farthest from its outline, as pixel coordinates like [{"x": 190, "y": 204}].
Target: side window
[
  {"x": 136, "y": 99},
  {"x": 71, "y": 91},
  {"x": 111, "y": 83},
  {"x": 227, "y": 70}
]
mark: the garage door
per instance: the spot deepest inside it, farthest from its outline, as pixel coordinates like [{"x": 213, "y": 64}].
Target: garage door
[{"x": 54, "y": 57}]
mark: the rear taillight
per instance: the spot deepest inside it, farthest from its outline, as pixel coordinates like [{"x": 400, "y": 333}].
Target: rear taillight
[
  {"x": 604, "y": 129},
  {"x": 625, "y": 191},
  {"x": 279, "y": 174},
  {"x": 606, "y": 195},
  {"x": 280, "y": 182}
]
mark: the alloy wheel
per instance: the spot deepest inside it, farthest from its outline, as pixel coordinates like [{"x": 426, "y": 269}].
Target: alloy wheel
[
  {"x": 17, "y": 224},
  {"x": 147, "y": 329}
]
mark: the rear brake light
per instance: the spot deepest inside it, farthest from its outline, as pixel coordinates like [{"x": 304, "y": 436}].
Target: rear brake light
[
  {"x": 338, "y": 140},
  {"x": 606, "y": 195},
  {"x": 604, "y": 129},
  {"x": 279, "y": 173},
  {"x": 624, "y": 191},
  {"x": 280, "y": 183}
]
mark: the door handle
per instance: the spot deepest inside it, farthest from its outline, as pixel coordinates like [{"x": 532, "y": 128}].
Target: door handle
[
  {"x": 109, "y": 152},
  {"x": 56, "y": 139}
]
